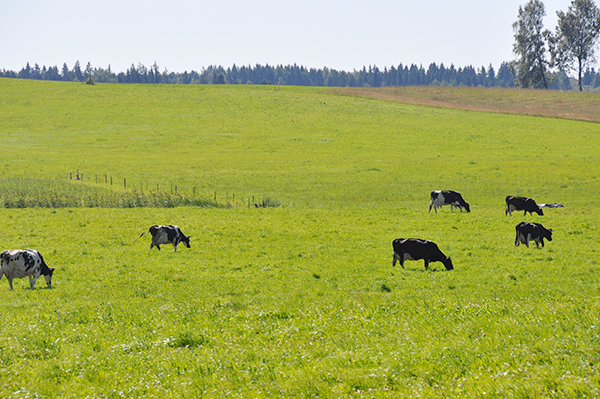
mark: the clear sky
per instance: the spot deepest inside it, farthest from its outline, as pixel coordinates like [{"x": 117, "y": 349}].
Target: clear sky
[{"x": 183, "y": 35}]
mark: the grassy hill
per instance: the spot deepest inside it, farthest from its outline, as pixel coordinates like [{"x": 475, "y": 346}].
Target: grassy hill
[{"x": 300, "y": 299}]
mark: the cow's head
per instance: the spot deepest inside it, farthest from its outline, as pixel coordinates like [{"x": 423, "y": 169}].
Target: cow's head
[
  {"x": 539, "y": 211},
  {"x": 448, "y": 263},
  {"x": 185, "y": 240},
  {"x": 467, "y": 207},
  {"x": 549, "y": 234},
  {"x": 48, "y": 277}
]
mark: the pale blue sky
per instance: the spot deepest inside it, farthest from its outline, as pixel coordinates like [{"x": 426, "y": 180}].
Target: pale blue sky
[{"x": 184, "y": 35}]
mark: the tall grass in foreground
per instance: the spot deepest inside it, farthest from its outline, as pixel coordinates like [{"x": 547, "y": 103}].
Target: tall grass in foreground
[{"x": 56, "y": 193}]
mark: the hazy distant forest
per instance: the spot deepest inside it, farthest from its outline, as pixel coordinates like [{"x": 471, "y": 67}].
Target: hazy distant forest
[{"x": 402, "y": 75}]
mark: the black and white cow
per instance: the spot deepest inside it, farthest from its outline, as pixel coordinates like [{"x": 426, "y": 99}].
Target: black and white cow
[
  {"x": 19, "y": 263},
  {"x": 527, "y": 232},
  {"x": 448, "y": 197},
  {"x": 522, "y": 204},
  {"x": 167, "y": 235},
  {"x": 415, "y": 249}
]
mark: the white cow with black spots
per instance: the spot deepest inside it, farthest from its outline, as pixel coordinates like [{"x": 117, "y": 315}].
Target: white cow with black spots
[{"x": 19, "y": 263}]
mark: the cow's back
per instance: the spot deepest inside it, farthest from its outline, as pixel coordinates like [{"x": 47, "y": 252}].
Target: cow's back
[{"x": 415, "y": 247}]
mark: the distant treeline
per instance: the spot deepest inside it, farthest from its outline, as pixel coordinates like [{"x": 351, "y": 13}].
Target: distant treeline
[{"x": 402, "y": 75}]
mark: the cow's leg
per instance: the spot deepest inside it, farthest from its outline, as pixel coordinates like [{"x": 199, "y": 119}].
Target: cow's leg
[
  {"x": 10, "y": 282},
  {"x": 33, "y": 277},
  {"x": 527, "y": 240},
  {"x": 430, "y": 205},
  {"x": 401, "y": 259},
  {"x": 395, "y": 259},
  {"x": 174, "y": 247},
  {"x": 426, "y": 263},
  {"x": 517, "y": 241}
]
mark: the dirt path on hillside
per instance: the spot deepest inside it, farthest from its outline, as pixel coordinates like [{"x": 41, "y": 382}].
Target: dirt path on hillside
[{"x": 547, "y": 103}]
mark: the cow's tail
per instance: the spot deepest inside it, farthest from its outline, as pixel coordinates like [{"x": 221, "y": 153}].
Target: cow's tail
[{"x": 144, "y": 233}]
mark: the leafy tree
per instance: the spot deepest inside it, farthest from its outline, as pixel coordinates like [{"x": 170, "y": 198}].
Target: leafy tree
[
  {"x": 530, "y": 46},
  {"x": 576, "y": 36}
]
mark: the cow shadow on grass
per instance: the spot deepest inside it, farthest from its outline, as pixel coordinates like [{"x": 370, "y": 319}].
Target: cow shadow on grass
[{"x": 419, "y": 270}]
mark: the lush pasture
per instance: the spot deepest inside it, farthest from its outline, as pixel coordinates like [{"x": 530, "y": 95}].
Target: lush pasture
[{"x": 301, "y": 299}]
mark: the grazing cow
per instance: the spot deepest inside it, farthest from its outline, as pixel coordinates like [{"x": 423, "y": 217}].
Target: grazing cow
[
  {"x": 532, "y": 231},
  {"x": 522, "y": 204},
  {"x": 18, "y": 263},
  {"x": 448, "y": 197},
  {"x": 415, "y": 249},
  {"x": 167, "y": 235}
]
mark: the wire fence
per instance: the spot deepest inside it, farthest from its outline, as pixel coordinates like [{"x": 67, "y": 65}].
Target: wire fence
[{"x": 104, "y": 190}]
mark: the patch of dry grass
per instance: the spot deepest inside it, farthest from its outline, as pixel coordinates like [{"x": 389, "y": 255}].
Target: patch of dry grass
[{"x": 550, "y": 103}]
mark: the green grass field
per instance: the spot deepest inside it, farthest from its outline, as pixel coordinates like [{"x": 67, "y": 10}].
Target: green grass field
[{"x": 298, "y": 300}]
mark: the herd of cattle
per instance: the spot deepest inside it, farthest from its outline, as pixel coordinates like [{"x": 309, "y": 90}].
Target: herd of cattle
[
  {"x": 416, "y": 249},
  {"x": 20, "y": 263}
]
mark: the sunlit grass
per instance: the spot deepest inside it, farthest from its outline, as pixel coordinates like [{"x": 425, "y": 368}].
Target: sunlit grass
[{"x": 299, "y": 299}]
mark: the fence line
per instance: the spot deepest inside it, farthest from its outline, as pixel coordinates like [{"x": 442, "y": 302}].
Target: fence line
[{"x": 175, "y": 190}]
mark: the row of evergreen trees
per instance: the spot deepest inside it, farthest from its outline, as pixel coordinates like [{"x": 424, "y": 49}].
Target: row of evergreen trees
[{"x": 402, "y": 75}]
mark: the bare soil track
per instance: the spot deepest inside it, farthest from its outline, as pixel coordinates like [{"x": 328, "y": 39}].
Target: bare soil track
[{"x": 549, "y": 103}]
